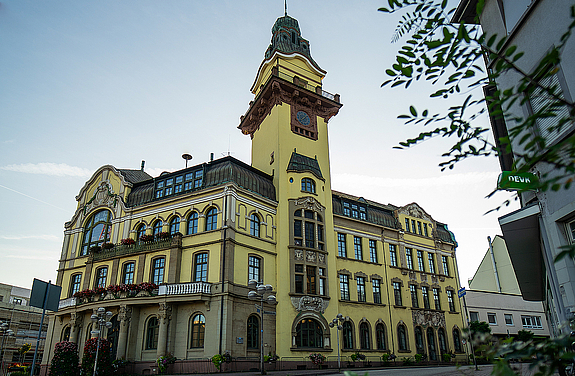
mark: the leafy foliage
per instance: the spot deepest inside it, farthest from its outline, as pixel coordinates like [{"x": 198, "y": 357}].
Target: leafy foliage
[
  {"x": 165, "y": 360},
  {"x": 104, "y": 359},
  {"x": 449, "y": 56},
  {"x": 524, "y": 335},
  {"x": 65, "y": 360}
]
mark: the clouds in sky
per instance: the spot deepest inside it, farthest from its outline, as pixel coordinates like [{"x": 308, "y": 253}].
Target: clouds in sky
[
  {"x": 53, "y": 169},
  {"x": 26, "y": 237}
]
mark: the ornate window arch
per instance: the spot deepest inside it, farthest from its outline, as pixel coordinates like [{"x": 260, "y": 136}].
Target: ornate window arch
[
  {"x": 212, "y": 219},
  {"x": 380, "y": 336},
  {"x": 97, "y": 230},
  {"x": 193, "y": 223},
  {"x": 197, "y": 331},
  {"x": 364, "y": 336},
  {"x": 457, "y": 340},
  {"x": 402, "y": 342},
  {"x": 152, "y": 331},
  {"x": 419, "y": 342},
  {"x": 157, "y": 227},
  {"x": 174, "y": 225},
  {"x": 309, "y": 334},
  {"x": 442, "y": 340},
  {"x": 140, "y": 231},
  {"x": 347, "y": 334},
  {"x": 253, "y": 334}
]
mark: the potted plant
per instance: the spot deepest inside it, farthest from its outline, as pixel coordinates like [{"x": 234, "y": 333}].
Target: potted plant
[
  {"x": 164, "y": 235},
  {"x": 95, "y": 249},
  {"x": 107, "y": 246},
  {"x": 147, "y": 238},
  {"x": 128, "y": 241}
]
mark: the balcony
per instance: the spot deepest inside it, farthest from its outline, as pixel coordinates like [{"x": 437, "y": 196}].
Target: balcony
[
  {"x": 122, "y": 250},
  {"x": 185, "y": 288}
]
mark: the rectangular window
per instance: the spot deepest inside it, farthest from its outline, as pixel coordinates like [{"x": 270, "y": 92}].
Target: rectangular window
[
  {"x": 436, "y": 301},
  {"x": 320, "y": 237},
  {"x": 445, "y": 265},
  {"x": 346, "y": 210},
  {"x": 310, "y": 272},
  {"x": 158, "y": 270},
  {"x": 414, "y": 301},
  {"x": 492, "y": 318},
  {"x": 473, "y": 316},
  {"x": 420, "y": 262},
  {"x": 571, "y": 231},
  {"x": 344, "y": 286},
  {"x": 129, "y": 269},
  {"x": 419, "y": 230},
  {"x": 101, "y": 277},
  {"x": 341, "y": 250},
  {"x": 372, "y": 251},
  {"x": 200, "y": 267},
  {"x": 508, "y": 319},
  {"x": 298, "y": 278},
  {"x": 254, "y": 268},
  {"x": 425, "y": 229},
  {"x": 531, "y": 322},
  {"x": 450, "y": 301},
  {"x": 297, "y": 232},
  {"x": 198, "y": 177},
  {"x": 362, "y": 213},
  {"x": 376, "y": 285},
  {"x": 408, "y": 258},
  {"x": 425, "y": 296},
  {"x": 322, "y": 281},
  {"x": 430, "y": 258},
  {"x": 360, "y": 289},
  {"x": 354, "y": 212},
  {"x": 413, "y": 226},
  {"x": 75, "y": 285},
  {"x": 397, "y": 293},
  {"x": 310, "y": 234},
  {"x": 392, "y": 255},
  {"x": 406, "y": 224},
  {"x": 357, "y": 248}
]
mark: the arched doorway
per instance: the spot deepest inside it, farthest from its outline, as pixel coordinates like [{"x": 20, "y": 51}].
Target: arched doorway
[{"x": 431, "y": 347}]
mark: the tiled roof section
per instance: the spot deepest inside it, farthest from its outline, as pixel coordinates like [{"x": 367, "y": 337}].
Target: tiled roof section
[
  {"x": 135, "y": 176},
  {"x": 301, "y": 163},
  {"x": 444, "y": 234},
  {"x": 376, "y": 213},
  {"x": 229, "y": 169},
  {"x": 218, "y": 172}
]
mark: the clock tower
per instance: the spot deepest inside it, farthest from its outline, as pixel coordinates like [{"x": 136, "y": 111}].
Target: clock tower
[{"x": 287, "y": 122}]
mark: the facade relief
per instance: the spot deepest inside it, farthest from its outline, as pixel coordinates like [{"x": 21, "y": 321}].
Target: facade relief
[
  {"x": 426, "y": 318},
  {"x": 309, "y": 303}
]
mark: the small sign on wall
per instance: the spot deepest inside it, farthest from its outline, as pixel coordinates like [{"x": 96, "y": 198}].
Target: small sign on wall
[{"x": 239, "y": 340}]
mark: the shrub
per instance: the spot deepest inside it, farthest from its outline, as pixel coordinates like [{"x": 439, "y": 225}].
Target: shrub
[
  {"x": 407, "y": 361},
  {"x": 218, "y": 359},
  {"x": 418, "y": 358},
  {"x": 104, "y": 359},
  {"x": 446, "y": 357},
  {"x": 65, "y": 360},
  {"x": 164, "y": 360}
]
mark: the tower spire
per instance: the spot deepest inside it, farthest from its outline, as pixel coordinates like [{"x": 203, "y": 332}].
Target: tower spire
[{"x": 285, "y": 7}]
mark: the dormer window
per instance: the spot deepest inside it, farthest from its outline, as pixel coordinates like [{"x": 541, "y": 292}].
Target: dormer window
[{"x": 354, "y": 210}]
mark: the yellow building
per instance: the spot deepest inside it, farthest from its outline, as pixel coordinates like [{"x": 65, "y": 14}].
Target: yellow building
[{"x": 200, "y": 234}]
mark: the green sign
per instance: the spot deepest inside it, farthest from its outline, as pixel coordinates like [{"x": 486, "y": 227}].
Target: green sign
[{"x": 515, "y": 181}]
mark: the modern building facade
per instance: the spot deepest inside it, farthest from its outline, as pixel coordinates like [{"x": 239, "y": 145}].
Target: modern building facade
[
  {"x": 200, "y": 234},
  {"x": 545, "y": 222},
  {"x": 495, "y": 298},
  {"x": 24, "y": 321}
]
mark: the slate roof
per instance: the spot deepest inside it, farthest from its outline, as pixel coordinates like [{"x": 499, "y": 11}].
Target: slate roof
[
  {"x": 218, "y": 172},
  {"x": 444, "y": 234},
  {"x": 377, "y": 213},
  {"x": 135, "y": 176},
  {"x": 301, "y": 163}
]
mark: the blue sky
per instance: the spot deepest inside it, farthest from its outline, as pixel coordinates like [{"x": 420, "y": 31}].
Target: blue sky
[{"x": 84, "y": 84}]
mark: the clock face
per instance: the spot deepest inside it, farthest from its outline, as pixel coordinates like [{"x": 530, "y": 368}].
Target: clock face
[{"x": 303, "y": 118}]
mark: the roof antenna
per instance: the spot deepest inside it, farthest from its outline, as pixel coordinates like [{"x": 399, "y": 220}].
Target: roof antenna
[
  {"x": 187, "y": 157},
  {"x": 285, "y": 7}
]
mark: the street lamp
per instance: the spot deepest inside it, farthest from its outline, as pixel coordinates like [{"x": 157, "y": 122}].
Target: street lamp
[
  {"x": 336, "y": 323},
  {"x": 264, "y": 294},
  {"x": 5, "y": 333},
  {"x": 102, "y": 319}
]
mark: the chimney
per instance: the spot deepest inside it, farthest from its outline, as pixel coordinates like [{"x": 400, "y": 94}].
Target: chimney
[
  {"x": 211, "y": 157},
  {"x": 142, "y": 167}
]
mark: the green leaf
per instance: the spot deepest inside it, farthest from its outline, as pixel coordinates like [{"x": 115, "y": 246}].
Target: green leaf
[
  {"x": 412, "y": 110},
  {"x": 491, "y": 40},
  {"x": 510, "y": 50},
  {"x": 390, "y": 72}
]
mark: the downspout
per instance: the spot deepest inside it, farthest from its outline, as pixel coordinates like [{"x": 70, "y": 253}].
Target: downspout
[
  {"x": 494, "y": 264},
  {"x": 225, "y": 219}
]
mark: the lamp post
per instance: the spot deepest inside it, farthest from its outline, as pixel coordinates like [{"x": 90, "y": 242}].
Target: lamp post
[
  {"x": 5, "y": 333},
  {"x": 337, "y": 323},
  {"x": 264, "y": 294},
  {"x": 102, "y": 319}
]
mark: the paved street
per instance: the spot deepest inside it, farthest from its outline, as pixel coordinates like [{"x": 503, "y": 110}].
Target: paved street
[{"x": 484, "y": 370}]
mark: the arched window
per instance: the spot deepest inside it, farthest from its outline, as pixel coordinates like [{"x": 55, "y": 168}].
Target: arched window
[
  {"x": 101, "y": 275},
  {"x": 128, "y": 273},
  {"x": 201, "y": 267},
  {"x": 75, "y": 283},
  {"x": 419, "y": 340},
  {"x": 193, "y": 223},
  {"x": 157, "y": 228},
  {"x": 97, "y": 231},
  {"x": 347, "y": 335},
  {"x": 308, "y": 185},
  {"x": 255, "y": 225},
  {"x": 380, "y": 336},
  {"x": 158, "y": 270},
  {"x": 175, "y": 225},
  {"x": 212, "y": 219},
  {"x": 364, "y": 340},
  {"x": 456, "y": 340},
  {"x": 442, "y": 341},
  {"x": 402, "y": 337},
  {"x": 253, "y": 332},
  {"x": 309, "y": 334},
  {"x": 66, "y": 334},
  {"x": 152, "y": 329},
  {"x": 141, "y": 231},
  {"x": 431, "y": 348},
  {"x": 197, "y": 331}
]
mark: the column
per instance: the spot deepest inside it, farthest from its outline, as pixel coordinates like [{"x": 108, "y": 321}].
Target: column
[
  {"x": 125, "y": 316},
  {"x": 75, "y": 325},
  {"x": 164, "y": 315}
]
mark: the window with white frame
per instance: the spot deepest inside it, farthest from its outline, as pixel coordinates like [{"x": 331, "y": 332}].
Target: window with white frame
[
  {"x": 531, "y": 322},
  {"x": 492, "y": 318},
  {"x": 474, "y": 316},
  {"x": 508, "y": 319}
]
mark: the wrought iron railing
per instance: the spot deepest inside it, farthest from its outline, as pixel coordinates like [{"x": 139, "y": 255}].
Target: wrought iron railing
[{"x": 122, "y": 250}]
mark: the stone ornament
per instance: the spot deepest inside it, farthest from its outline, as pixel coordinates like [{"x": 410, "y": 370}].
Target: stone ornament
[
  {"x": 414, "y": 210},
  {"x": 321, "y": 258},
  {"x": 298, "y": 254},
  {"x": 428, "y": 318},
  {"x": 310, "y": 256},
  {"x": 309, "y": 303},
  {"x": 125, "y": 314},
  {"x": 165, "y": 312},
  {"x": 104, "y": 196},
  {"x": 309, "y": 203}
]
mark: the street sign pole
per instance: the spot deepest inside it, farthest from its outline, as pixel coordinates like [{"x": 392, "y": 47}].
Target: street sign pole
[{"x": 461, "y": 293}]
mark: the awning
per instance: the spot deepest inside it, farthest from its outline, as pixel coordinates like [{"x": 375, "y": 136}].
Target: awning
[{"x": 522, "y": 236}]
